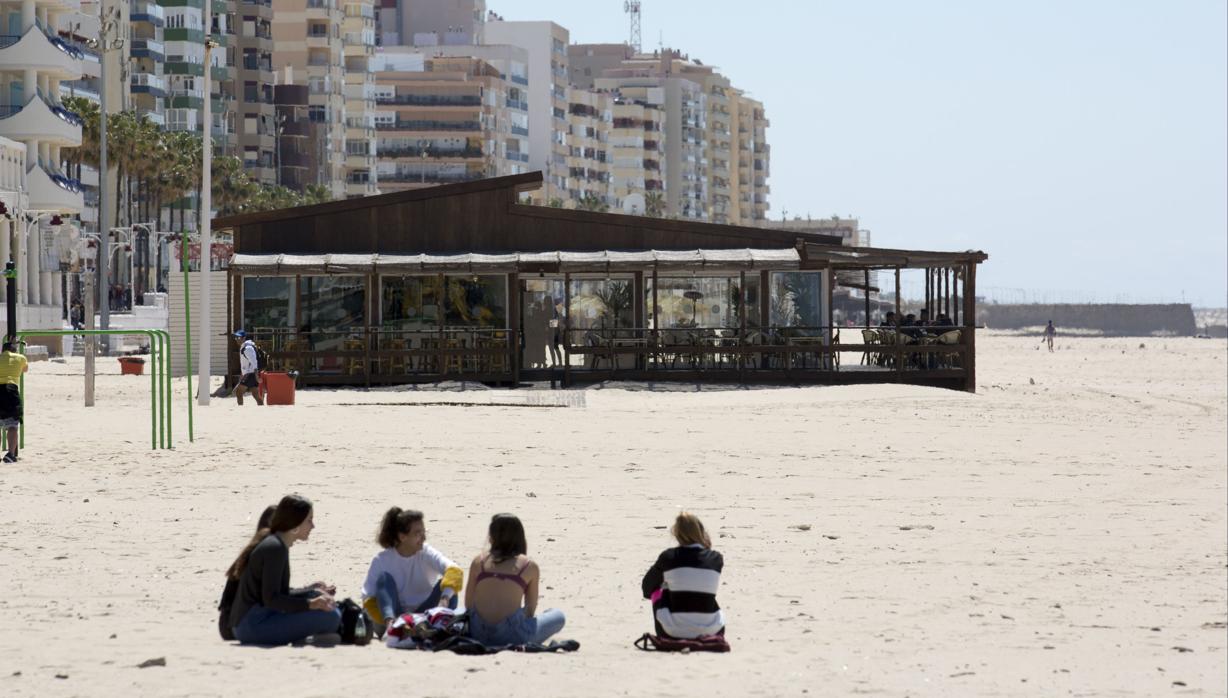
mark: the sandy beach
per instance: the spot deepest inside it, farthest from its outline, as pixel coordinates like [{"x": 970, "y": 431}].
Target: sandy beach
[{"x": 1062, "y": 532}]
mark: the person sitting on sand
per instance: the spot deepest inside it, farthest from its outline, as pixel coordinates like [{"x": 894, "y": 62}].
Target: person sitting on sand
[
  {"x": 231, "y": 590},
  {"x": 266, "y": 610},
  {"x": 408, "y": 576},
  {"x": 502, "y": 594},
  {"x": 682, "y": 584}
]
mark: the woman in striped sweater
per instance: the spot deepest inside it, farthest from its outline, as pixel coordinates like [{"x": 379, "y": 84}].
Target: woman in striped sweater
[{"x": 682, "y": 584}]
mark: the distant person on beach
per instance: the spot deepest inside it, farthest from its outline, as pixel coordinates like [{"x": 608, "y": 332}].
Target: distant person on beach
[
  {"x": 249, "y": 365},
  {"x": 12, "y": 365},
  {"x": 1050, "y": 333},
  {"x": 231, "y": 590},
  {"x": 266, "y": 610},
  {"x": 682, "y": 584},
  {"x": 502, "y": 594},
  {"x": 408, "y": 576}
]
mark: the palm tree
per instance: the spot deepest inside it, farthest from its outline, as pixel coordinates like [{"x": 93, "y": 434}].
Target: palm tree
[
  {"x": 654, "y": 204},
  {"x": 316, "y": 194},
  {"x": 87, "y": 152},
  {"x": 592, "y": 202}
]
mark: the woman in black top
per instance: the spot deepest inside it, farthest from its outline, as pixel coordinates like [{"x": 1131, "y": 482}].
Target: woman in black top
[
  {"x": 266, "y": 610},
  {"x": 682, "y": 584}
]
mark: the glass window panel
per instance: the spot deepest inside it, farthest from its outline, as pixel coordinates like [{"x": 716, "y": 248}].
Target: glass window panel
[
  {"x": 476, "y": 301},
  {"x": 796, "y": 301},
  {"x": 602, "y": 304},
  {"x": 410, "y": 303},
  {"x": 266, "y": 302},
  {"x": 704, "y": 301},
  {"x": 333, "y": 314}
]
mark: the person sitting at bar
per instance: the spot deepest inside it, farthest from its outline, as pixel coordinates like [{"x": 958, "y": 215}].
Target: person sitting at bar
[
  {"x": 888, "y": 319},
  {"x": 407, "y": 576},
  {"x": 910, "y": 326},
  {"x": 924, "y": 320},
  {"x": 500, "y": 581}
]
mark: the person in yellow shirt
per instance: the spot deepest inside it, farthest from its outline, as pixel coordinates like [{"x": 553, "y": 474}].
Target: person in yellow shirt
[{"x": 12, "y": 365}]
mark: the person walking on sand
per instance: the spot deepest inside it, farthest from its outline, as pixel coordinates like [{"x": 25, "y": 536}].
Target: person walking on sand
[
  {"x": 408, "y": 576},
  {"x": 12, "y": 365},
  {"x": 266, "y": 610},
  {"x": 500, "y": 581},
  {"x": 682, "y": 584},
  {"x": 249, "y": 365},
  {"x": 1050, "y": 333}
]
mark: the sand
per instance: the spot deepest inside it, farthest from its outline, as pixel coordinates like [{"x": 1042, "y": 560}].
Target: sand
[{"x": 1060, "y": 532}]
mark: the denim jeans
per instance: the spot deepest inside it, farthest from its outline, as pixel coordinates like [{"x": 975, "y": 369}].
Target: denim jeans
[
  {"x": 516, "y": 629},
  {"x": 264, "y": 626},
  {"x": 390, "y": 602}
]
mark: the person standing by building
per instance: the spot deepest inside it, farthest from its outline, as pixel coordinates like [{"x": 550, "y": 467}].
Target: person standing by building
[
  {"x": 12, "y": 365},
  {"x": 249, "y": 366},
  {"x": 1050, "y": 333}
]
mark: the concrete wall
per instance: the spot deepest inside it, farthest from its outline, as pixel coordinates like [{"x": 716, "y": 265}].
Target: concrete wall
[{"x": 1111, "y": 319}]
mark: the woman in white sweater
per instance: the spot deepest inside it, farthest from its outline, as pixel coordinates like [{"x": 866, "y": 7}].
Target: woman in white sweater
[{"x": 408, "y": 576}]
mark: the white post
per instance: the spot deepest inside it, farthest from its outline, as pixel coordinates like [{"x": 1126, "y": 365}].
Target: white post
[
  {"x": 206, "y": 236},
  {"x": 87, "y": 279}
]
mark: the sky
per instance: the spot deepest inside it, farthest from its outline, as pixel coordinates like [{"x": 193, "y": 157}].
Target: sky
[{"x": 1082, "y": 145}]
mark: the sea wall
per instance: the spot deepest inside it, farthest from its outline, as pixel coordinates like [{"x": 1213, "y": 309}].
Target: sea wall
[{"x": 1111, "y": 319}]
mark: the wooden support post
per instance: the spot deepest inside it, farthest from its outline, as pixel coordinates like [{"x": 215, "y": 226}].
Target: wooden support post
[
  {"x": 955, "y": 303},
  {"x": 969, "y": 334},
  {"x": 867, "y": 299},
  {"x": 929, "y": 279},
  {"x": 236, "y": 322},
  {"x": 637, "y": 320},
  {"x": 567, "y": 329},
  {"x": 829, "y": 360},
  {"x": 899, "y": 355},
  {"x": 514, "y": 326},
  {"x": 765, "y": 311},
  {"x": 656, "y": 320},
  {"x": 745, "y": 309},
  {"x": 371, "y": 323}
]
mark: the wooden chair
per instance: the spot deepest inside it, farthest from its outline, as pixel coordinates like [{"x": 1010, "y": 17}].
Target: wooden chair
[
  {"x": 396, "y": 364},
  {"x": 952, "y": 338},
  {"x": 869, "y": 357},
  {"x": 355, "y": 365},
  {"x": 454, "y": 363},
  {"x": 430, "y": 362},
  {"x": 496, "y": 363}
]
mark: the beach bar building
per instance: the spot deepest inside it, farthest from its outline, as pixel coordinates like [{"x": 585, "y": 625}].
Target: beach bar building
[{"x": 465, "y": 282}]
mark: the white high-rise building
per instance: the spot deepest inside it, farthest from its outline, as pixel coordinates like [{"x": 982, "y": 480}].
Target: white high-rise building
[{"x": 34, "y": 129}]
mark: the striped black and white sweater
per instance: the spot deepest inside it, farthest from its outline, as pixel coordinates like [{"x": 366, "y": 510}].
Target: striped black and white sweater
[{"x": 688, "y": 577}]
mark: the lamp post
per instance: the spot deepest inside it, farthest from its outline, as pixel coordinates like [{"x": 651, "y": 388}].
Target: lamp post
[
  {"x": 108, "y": 24},
  {"x": 30, "y": 218},
  {"x": 206, "y": 235}
]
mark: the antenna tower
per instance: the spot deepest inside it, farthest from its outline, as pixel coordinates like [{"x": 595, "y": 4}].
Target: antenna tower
[{"x": 632, "y": 8}]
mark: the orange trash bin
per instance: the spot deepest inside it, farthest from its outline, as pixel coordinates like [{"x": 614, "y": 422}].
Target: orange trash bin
[
  {"x": 131, "y": 366},
  {"x": 278, "y": 387}
]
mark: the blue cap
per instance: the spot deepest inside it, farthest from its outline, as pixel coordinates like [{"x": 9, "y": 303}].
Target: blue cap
[{"x": 240, "y": 333}]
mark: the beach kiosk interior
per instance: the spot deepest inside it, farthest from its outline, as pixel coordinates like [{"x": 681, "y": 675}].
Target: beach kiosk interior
[{"x": 466, "y": 282}]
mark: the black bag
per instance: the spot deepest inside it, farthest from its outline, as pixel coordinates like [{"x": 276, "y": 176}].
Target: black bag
[
  {"x": 356, "y": 625},
  {"x": 262, "y": 358}
]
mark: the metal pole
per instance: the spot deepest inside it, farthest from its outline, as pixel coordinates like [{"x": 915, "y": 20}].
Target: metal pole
[
  {"x": 206, "y": 237},
  {"x": 104, "y": 197},
  {"x": 88, "y": 292},
  {"x": 10, "y": 285},
  {"x": 187, "y": 327}
]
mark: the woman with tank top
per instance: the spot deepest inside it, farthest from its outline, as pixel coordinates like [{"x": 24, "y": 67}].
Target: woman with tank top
[{"x": 502, "y": 594}]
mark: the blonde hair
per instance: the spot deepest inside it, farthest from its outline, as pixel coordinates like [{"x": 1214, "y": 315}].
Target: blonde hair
[{"x": 689, "y": 530}]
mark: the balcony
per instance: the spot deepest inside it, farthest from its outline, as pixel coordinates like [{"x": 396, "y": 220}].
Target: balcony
[
  {"x": 516, "y": 156},
  {"x": 147, "y": 12},
  {"x": 148, "y": 48},
  {"x": 432, "y": 153},
  {"x": 144, "y": 83},
  {"x": 40, "y": 120},
  {"x": 448, "y": 126},
  {"x": 413, "y": 100},
  {"x": 518, "y": 79},
  {"x": 520, "y": 130},
  {"x": 52, "y": 191},
  {"x": 517, "y": 104},
  {"x": 43, "y": 53}
]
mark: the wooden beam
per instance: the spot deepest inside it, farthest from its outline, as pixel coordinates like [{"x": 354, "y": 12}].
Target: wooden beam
[
  {"x": 970, "y": 321},
  {"x": 867, "y": 289}
]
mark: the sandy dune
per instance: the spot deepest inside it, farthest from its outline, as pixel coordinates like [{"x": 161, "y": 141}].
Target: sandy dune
[{"x": 1060, "y": 533}]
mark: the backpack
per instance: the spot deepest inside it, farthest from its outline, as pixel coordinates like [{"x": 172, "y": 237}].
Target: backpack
[
  {"x": 703, "y": 643},
  {"x": 356, "y": 626},
  {"x": 262, "y": 357}
]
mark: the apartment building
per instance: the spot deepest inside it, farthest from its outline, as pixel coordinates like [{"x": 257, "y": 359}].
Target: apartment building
[
  {"x": 358, "y": 39},
  {"x": 256, "y": 122},
  {"x": 299, "y": 139},
  {"x": 546, "y": 46},
  {"x": 716, "y": 153},
  {"x": 308, "y": 49},
  {"x": 34, "y": 130},
  {"x": 184, "y": 33},
  {"x": 435, "y": 23},
  {"x": 636, "y": 153},
  {"x": 147, "y": 56},
  {"x": 590, "y": 116},
  {"x": 442, "y": 119}
]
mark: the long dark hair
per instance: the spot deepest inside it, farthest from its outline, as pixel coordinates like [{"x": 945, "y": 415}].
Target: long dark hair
[
  {"x": 291, "y": 511},
  {"x": 506, "y": 537},
  {"x": 396, "y": 521}
]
